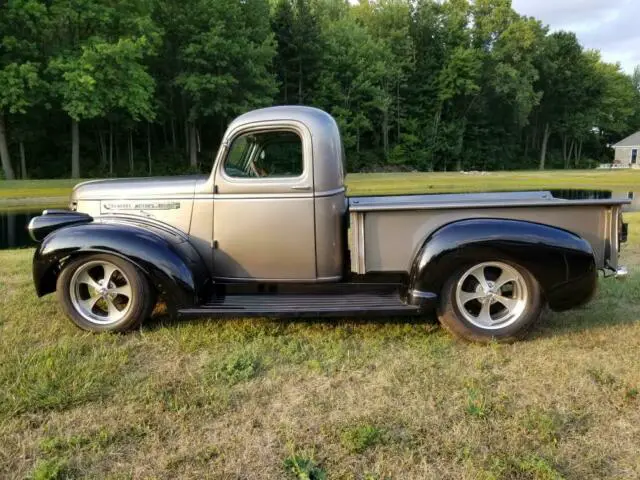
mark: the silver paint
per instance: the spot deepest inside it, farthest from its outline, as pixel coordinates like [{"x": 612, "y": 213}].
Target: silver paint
[
  {"x": 392, "y": 238},
  {"x": 290, "y": 229}
]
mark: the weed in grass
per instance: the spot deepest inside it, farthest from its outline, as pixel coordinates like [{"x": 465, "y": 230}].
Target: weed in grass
[
  {"x": 56, "y": 469},
  {"x": 544, "y": 426},
  {"x": 532, "y": 467},
  {"x": 631, "y": 394},
  {"x": 476, "y": 403},
  {"x": 538, "y": 467},
  {"x": 357, "y": 439},
  {"x": 238, "y": 367},
  {"x": 96, "y": 442},
  {"x": 304, "y": 468}
]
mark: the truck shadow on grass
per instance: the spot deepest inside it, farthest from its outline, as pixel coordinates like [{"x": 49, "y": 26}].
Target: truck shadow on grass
[
  {"x": 162, "y": 319},
  {"x": 595, "y": 316},
  {"x": 616, "y": 303}
]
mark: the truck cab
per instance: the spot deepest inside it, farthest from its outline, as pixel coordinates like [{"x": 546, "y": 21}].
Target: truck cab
[
  {"x": 271, "y": 232},
  {"x": 279, "y": 198}
]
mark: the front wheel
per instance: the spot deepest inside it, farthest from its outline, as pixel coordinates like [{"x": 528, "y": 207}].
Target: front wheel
[
  {"x": 103, "y": 293},
  {"x": 492, "y": 300}
]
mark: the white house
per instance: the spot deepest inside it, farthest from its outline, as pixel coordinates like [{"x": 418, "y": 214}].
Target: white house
[{"x": 627, "y": 151}]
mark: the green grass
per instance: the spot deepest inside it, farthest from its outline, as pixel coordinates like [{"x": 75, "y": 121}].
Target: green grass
[
  {"x": 388, "y": 183},
  {"x": 344, "y": 398},
  {"x": 36, "y": 188}
]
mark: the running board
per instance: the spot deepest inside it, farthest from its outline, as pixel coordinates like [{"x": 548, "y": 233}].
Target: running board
[{"x": 274, "y": 305}]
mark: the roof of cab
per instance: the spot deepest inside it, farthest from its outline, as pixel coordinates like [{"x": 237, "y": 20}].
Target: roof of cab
[
  {"x": 284, "y": 112},
  {"x": 328, "y": 155}
]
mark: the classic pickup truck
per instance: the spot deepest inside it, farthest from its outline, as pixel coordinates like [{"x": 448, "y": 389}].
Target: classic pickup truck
[{"x": 271, "y": 232}]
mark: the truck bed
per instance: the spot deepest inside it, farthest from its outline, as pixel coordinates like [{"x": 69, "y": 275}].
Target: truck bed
[{"x": 387, "y": 231}]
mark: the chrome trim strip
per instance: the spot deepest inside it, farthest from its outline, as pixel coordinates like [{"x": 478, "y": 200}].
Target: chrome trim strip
[
  {"x": 358, "y": 263},
  {"x": 621, "y": 272},
  {"x": 422, "y": 295},
  {"x": 278, "y": 280},
  {"x": 254, "y": 196},
  {"x": 458, "y": 205},
  {"x": 125, "y": 198},
  {"x": 222, "y": 196}
]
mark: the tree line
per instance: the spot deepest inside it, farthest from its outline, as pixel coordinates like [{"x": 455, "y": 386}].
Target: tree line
[{"x": 137, "y": 87}]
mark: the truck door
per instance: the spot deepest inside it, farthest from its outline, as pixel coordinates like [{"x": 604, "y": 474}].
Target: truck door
[{"x": 264, "y": 207}]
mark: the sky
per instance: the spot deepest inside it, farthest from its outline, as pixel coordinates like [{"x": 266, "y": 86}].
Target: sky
[{"x": 611, "y": 26}]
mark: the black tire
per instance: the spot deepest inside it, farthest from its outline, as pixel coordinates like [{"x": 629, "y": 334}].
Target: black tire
[
  {"x": 454, "y": 321},
  {"x": 142, "y": 299}
]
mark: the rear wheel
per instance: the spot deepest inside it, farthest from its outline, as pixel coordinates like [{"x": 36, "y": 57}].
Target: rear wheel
[
  {"x": 491, "y": 300},
  {"x": 104, "y": 293}
]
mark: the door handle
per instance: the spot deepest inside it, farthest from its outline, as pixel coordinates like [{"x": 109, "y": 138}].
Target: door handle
[{"x": 303, "y": 188}]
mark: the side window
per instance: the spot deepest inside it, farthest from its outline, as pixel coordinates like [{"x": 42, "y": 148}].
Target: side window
[{"x": 265, "y": 154}]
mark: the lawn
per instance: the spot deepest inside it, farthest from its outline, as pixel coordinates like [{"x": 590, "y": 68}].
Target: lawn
[
  {"x": 387, "y": 183},
  {"x": 19, "y": 189},
  {"x": 349, "y": 399}
]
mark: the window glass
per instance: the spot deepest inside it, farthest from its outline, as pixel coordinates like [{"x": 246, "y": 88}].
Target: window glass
[{"x": 265, "y": 154}]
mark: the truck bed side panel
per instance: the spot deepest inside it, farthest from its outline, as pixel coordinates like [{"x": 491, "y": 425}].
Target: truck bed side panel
[{"x": 390, "y": 239}]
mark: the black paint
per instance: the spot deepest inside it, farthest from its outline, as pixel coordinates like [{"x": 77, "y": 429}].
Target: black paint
[
  {"x": 172, "y": 265},
  {"x": 562, "y": 262},
  {"x": 52, "y": 220}
]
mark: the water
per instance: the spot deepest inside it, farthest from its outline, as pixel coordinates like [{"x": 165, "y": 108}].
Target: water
[
  {"x": 13, "y": 225},
  {"x": 13, "y": 228}
]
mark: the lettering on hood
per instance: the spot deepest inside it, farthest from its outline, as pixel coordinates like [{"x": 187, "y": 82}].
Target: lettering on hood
[{"x": 141, "y": 205}]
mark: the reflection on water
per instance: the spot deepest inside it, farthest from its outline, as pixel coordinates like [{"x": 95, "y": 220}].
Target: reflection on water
[
  {"x": 13, "y": 228},
  {"x": 569, "y": 194},
  {"x": 13, "y": 225}
]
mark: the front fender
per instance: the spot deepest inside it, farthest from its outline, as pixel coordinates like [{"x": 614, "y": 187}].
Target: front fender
[
  {"x": 172, "y": 265},
  {"x": 562, "y": 262}
]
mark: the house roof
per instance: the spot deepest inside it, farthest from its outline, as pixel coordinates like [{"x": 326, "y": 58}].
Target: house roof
[{"x": 630, "y": 141}]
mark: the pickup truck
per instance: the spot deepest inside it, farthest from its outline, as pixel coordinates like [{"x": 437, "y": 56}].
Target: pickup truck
[{"x": 271, "y": 232}]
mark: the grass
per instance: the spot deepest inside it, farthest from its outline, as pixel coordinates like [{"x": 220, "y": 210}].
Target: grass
[
  {"x": 389, "y": 183},
  {"x": 347, "y": 399},
  {"x": 36, "y": 188}
]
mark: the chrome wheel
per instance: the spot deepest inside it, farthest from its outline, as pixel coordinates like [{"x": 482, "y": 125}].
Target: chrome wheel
[
  {"x": 100, "y": 292},
  {"x": 492, "y": 295}
]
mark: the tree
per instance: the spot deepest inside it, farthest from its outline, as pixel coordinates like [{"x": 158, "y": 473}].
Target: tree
[
  {"x": 284, "y": 62},
  {"x": 225, "y": 62},
  {"x": 299, "y": 49},
  {"x": 19, "y": 68},
  {"x": 388, "y": 22},
  {"x": 564, "y": 81},
  {"x": 98, "y": 67},
  {"x": 414, "y": 84},
  {"x": 350, "y": 85},
  {"x": 20, "y": 84},
  {"x": 635, "y": 78}
]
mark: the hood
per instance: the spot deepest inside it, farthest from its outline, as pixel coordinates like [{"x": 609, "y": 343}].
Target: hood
[{"x": 134, "y": 188}]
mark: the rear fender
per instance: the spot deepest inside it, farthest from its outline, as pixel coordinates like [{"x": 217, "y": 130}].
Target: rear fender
[
  {"x": 558, "y": 259},
  {"x": 171, "y": 264}
]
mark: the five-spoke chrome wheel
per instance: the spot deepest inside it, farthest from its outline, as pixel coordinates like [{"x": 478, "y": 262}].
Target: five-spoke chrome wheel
[
  {"x": 491, "y": 295},
  {"x": 101, "y": 292}
]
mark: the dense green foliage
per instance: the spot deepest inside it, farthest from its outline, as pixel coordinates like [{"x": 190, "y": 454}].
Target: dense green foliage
[{"x": 105, "y": 87}]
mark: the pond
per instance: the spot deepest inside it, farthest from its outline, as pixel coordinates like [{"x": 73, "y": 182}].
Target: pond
[
  {"x": 13, "y": 228},
  {"x": 14, "y": 234}
]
